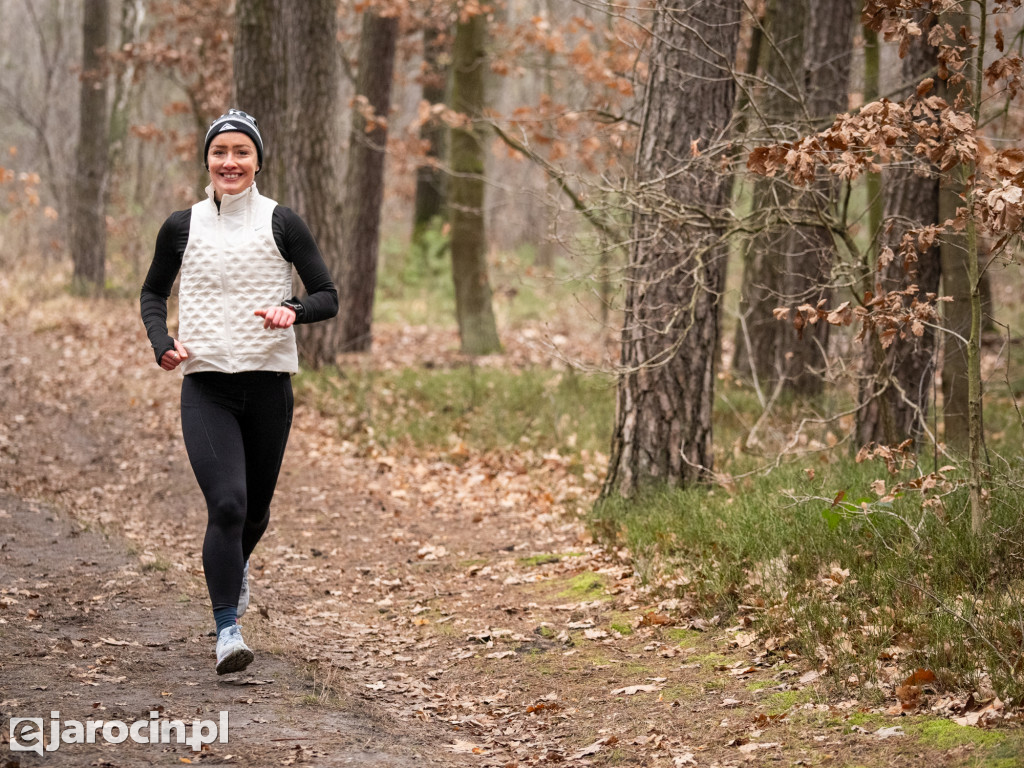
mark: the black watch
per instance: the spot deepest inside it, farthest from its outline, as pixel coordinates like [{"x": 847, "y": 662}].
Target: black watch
[{"x": 295, "y": 307}]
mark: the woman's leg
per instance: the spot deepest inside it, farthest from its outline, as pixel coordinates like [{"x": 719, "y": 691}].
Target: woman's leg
[
  {"x": 213, "y": 439},
  {"x": 265, "y": 428}
]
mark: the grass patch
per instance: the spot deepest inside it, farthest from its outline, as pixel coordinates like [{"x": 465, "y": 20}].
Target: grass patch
[
  {"x": 945, "y": 734},
  {"x": 621, "y": 625},
  {"x": 466, "y": 408},
  {"x": 854, "y": 576},
  {"x": 585, "y": 586},
  {"x": 535, "y": 560},
  {"x": 783, "y": 701},
  {"x": 687, "y": 638}
]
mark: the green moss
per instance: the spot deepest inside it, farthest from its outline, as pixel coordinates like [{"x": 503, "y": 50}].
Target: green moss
[
  {"x": 867, "y": 720},
  {"x": 687, "y": 638},
  {"x": 535, "y": 560},
  {"x": 759, "y": 685},
  {"x": 783, "y": 701},
  {"x": 622, "y": 629},
  {"x": 945, "y": 734},
  {"x": 585, "y": 586},
  {"x": 673, "y": 692}
]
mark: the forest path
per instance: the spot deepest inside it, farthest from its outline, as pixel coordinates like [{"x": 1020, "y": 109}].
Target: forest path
[{"x": 406, "y": 609}]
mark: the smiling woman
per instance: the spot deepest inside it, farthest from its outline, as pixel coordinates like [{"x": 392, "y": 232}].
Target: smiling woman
[{"x": 236, "y": 346}]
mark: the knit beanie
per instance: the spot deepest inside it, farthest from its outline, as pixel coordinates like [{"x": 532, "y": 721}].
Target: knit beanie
[{"x": 235, "y": 120}]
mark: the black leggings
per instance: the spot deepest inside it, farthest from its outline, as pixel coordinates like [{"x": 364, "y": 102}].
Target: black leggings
[{"x": 235, "y": 427}]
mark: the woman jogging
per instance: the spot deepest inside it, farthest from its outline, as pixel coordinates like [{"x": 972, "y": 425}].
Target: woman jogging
[{"x": 236, "y": 346}]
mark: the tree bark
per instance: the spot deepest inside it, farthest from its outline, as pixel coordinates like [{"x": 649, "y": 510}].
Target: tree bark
[
  {"x": 759, "y": 336},
  {"x": 677, "y": 259},
  {"x": 364, "y": 180},
  {"x": 896, "y": 383},
  {"x": 260, "y": 84},
  {"x": 955, "y": 254},
  {"x": 806, "y": 65},
  {"x": 89, "y": 223},
  {"x": 430, "y": 194},
  {"x": 311, "y": 144},
  {"x": 477, "y": 329}
]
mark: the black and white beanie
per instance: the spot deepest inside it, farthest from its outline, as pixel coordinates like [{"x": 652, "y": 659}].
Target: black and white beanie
[{"x": 235, "y": 120}]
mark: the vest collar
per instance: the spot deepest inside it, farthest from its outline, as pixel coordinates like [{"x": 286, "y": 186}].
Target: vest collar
[{"x": 229, "y": 203}]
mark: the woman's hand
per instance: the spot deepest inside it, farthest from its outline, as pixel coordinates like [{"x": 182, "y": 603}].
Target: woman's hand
[
  {"x": 277, "y": 317},
  {"x": 174, "y": 357}
]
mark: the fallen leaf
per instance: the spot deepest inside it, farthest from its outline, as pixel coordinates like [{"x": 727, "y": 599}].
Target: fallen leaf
[
  {"x": 810, "y": 677},
  {"x": 466, "y": 747},
  {"x": 592, "y": 749},
  {"x": 633, "y": 689},
  {"x": 753, "y": 746},
  {"x": 886, "y": 733},
  {"x": 743, "y": 639}
]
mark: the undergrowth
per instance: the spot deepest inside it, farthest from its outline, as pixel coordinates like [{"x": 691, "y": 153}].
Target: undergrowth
[
  {"x": 467, "y": 409},
  {"x": 852, "y": 584}
]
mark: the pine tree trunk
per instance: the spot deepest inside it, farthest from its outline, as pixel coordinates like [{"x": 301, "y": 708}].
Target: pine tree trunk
[
  {"x": 261, "y": 77},
  {"x": 677, "y": 259},
  {"x": 789, "y": 263},
  {"x": 477, "y": 328},
  {"x": 896, "y": 383},
  {"x": 88, "y": 211},
  {"x": 956, "y": 283},
  {"x": 311, "y": 145},
  {"x": 364, "y": 180},
  {"x": 430, "y": 196}
]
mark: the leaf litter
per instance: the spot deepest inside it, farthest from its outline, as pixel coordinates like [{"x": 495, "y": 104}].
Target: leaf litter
[{"x": 406, "y": 579}]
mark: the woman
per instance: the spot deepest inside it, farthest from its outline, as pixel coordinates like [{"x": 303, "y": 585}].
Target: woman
[{"x": 236, "y": 346}]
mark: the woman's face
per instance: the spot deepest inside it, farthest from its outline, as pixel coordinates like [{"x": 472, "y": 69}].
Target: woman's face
[{"x": 233, "y": 163}]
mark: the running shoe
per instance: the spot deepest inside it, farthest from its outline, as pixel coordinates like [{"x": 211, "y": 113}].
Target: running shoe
[
  {"x": 243, "y": 596},
  {"x": 233, "y": 655}
]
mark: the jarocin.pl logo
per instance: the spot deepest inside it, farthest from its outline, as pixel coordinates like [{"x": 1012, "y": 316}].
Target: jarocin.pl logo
[{"x": 27, "y": 734}]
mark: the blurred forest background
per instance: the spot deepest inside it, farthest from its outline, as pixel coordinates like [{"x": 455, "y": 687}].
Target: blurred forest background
[{"x": 773, "y": 245}]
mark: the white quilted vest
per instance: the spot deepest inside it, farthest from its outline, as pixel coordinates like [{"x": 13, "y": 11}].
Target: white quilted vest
[{"x": 232, "y": 267}]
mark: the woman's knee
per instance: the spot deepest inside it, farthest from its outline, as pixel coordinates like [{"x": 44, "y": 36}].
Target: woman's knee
[{"x": 227, "y": 510}]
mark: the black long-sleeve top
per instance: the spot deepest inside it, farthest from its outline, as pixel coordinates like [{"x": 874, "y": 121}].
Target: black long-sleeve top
[{"x": 294, "y": 241}]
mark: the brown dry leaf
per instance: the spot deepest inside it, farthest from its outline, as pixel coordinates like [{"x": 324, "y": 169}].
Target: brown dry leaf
[
  {"x": 753, "y": 746},
  {"x": 631, "y": 690},
  {"x": 655, "y": 620},
  {"x": 920, "y": 676},
  {"x": 744, "y": 639},
  {"x": 593, "y": 749},
  {"x": 466, "y": 747}
]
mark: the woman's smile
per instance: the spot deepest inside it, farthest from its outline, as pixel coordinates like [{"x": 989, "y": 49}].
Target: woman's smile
[{"x": 233, "y": 163}]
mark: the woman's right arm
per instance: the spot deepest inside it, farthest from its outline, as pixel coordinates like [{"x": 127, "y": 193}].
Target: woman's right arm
[{"x": 170, "y": 247}]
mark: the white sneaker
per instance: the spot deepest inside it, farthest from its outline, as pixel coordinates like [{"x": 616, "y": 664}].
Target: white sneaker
[
  {"x": 233, "y": 655},
  {"x": 243, "y": 596}
]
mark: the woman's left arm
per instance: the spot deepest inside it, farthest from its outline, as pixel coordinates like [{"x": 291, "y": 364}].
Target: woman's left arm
[{"x": 298, "y": 246}]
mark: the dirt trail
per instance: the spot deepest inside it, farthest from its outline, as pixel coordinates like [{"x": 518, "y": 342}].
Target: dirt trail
[
  {"x": 97, "y": 638},
  {"x": 437, "y": 610}
]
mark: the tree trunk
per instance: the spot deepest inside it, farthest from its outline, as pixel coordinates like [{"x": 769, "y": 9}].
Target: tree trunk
[
  {"x": 956, "y": 282},
  {"x": 896, "y": 383},
  {"x": 780, "y": 109},
  {"x": 311, "y": 142},
  {"x": 477, "y": 329},
  {"x": 364, "y": 180},
  {"x": 677, "y": 259},
  {"x": 261, "y": 77},
  {"x": 133, "y": 15},
  {"x": 430, "y": 197},
  {"x": 806, "y": 66},
  {"x": 89, "y": 222}
]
